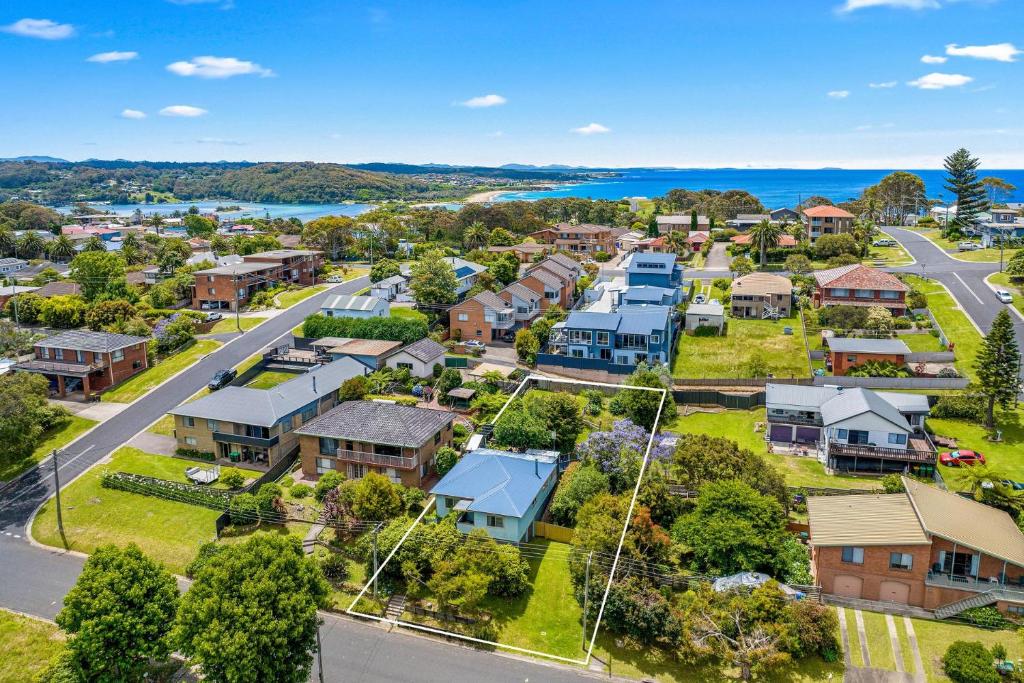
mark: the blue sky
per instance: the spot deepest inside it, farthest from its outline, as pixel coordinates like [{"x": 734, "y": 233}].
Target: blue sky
[{"x": 803, "y": 83}]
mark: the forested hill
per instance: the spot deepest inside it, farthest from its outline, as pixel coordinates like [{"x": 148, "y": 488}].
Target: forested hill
[{"x": 127, "y": 181}]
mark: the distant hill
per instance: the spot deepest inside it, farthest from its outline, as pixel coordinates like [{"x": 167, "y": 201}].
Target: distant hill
[
  {"x": 480, "y": 171},
  {"x": 42, "y": 159}
]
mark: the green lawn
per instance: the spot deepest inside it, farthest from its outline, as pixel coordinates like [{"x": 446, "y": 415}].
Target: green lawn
[
  {"x": 879, "y": 643},
  {"x": 1007, "y": 455},
  {"x": 406, "y": 312},
  {"x": 29, "y": 647},
  {"x": 167, "y": 531},
  {"x": 988, "y": 255},
  {"x": 921, "y": 343},
  {"x": 294, "y": 296},
  {"x": 954, "y": 322},
  {"x": 856, "y": 656},
  {"x": 51, "y": 439},
  {"x": 128, "y": 391},
  {"x": 888, "y": 256},
  {"x": 726, "y": 357},
  {"x": 934, "y": 637},
  {"x": 270, "y": 378},
  {"x": 1002, "y": 280},
  {"x": 229, "y": 324},
  {"x": 164, "y": 426}
]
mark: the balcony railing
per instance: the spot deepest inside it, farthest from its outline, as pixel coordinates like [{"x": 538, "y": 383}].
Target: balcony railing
[
  {"x": 904, "y": 454},
  {"x": 243, "y": 440},
  {"x": 796, "y": 420},
  {"x": 60, "y": 367},
  {"x": 396, "y": 461},
  {"x": 971, "y": 583}
]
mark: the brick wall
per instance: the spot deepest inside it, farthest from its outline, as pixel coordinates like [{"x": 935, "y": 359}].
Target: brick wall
[
  {"x": 474, "y": 312},
  {"x": 841, "y": 362},
  {"x": 829, "y": 570}
]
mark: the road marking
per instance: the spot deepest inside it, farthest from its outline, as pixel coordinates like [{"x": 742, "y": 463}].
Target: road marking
[
  {"x": 68, "y": 462},
  {"x": 957, "y": 276}
]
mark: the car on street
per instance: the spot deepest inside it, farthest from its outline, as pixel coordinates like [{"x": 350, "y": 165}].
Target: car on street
[
  {"x": 961, "y": 457},
  {"x": 968, "y": 246},
  {"x": 884, "y": 243},
  {"x": 474, "y": 344},
  {"x": 699, "y": 299},
  {"x": 212, "y": 316},
  {"x": 222, "y": 379},
  {"x": 1004, "y": 296},
  {"x": 334, "y": 278}
]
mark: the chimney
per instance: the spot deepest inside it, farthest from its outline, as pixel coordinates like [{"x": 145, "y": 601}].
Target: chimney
[
  {"x": 314, "y": 384},
  {"x": 536, "y": 468}
]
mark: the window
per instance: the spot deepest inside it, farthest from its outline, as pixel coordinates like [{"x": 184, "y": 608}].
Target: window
[
  {"x": 602, "y": 338},
  {"x": 852, "y": 358},
  {"x": 865, "y": 293},
  {"x": 136, "y": 364},
  {"x": 356, "y": 470},
  {"x": 496, "y": 521},
  {"x": 209, "y": 278},
  {"x": 1016, "y": 610},
  {"x": 190, "y": 441},
  {"x": 189, "y": 421},
  {"x": 840, "y": 291},
  {"x": 308, "y": 414},
  {"x": 900, "y": 439},
  {"x": 449, "y": 502},
  {"x": 853, "y": 555},
  {"x": 550, "y": 295},
  {"x": 655, "y": 338},
  {"x": 405, "y": 366},
  {"x": 437, "y": 437},
  {"x": 328, "y": 446},
  {"x": 324, "y": 465},
  {"x": 286, "y": 424},
  {"x": 58, "y": 354},
  {"x": 211, "y": 290},
  {"x": 479, "y": 333},
  {"x": 605, "y": 354},
  {"x": 890, "y": 294},
  {"x": 80, "y": 356},
  {"x": 901, "y": 560},
  {"x": 463, "y": 317},
  {"x": 44, "y": 352},
  {"x": 117, "y": 355},
  {"x": 842, "y": 434},
  {"x": 581, "y": 337},
  {"x": 212, "y": 425}
]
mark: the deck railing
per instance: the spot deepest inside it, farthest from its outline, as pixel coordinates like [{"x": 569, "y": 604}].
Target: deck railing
[
  {"x": 396, "y": 461},
  {"x": 904, "y": 454}
]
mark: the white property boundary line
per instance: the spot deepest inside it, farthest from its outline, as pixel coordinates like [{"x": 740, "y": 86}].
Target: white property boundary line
[{"x": 618, "y": 551}]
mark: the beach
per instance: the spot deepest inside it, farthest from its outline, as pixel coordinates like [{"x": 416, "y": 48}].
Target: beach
[{"x": 484, "y": 197}]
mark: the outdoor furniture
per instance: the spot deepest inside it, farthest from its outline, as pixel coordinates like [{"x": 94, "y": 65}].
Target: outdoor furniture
[{"x": 944, "y": 441}]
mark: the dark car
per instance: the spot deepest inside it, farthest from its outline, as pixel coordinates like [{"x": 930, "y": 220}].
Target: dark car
[{"x": 221, "y": 379}]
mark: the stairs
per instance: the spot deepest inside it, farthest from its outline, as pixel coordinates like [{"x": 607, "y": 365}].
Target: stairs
[
  {"x": 396, "y": 605},
  {"x": 979, "y": 600}
]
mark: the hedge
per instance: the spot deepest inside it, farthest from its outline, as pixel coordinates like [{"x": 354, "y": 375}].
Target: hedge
[
  {"x": 194, "y": 494},
  {"x": 405, "y": 330}
]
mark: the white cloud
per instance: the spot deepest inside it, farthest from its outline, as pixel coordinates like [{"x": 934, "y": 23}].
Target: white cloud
[
  {"x": 219, "y": 141},
  {"x": 933, "y": 59},
  {"x": 854, "y": 5},
  {"x": 184, "y": 110},
  {"x": 884, "y": 84},
  {"x": 484, "y": 101},
  {"x": 114, "y": 56},
  {"x": 133, "y": 114},
  {"x": 938, "y": 81},
  {"x": 496, "y": 134},
  {"x": 40, "y": 28},
  {"x": 839, "y": 94},
  {"x": 866, "y": 126},
  {"x": 591, "y": 129},
  {"x": 1000, "y": 52},
  {"x": 217, "y": 67}
]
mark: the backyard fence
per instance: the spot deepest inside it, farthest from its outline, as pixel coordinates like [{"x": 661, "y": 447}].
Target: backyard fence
[
  {"x": 553, "y": 532},
  {"x": 276, "y": 472},
  {"x": 894, "y": 382},
  {"x": 739, "y": 381},
  {"x": 194, "y": 494},
  {"x": 942, "y": 333},
  {"x": 697, "y": 397}
]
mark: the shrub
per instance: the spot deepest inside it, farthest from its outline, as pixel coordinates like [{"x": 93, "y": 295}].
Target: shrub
[
  {"x": 413, "y": 498},
  {"x": 879, "y": 368},
  {"x": 602, "y": 256},
  {"x": 301, "y": 491},
  {"x": 233, "y": 478},
  {"x": 267, "y": 497},
  {"x": 460, "y": 430},
  {"x": 962, "y": 406},
  {"x": 969, "y": 662},
  {"x": 986, "y": 617},
  {"x": 527, "y": 346},
  {"x": 193, "y": 453},
  {"x": 335, "y": 567},
  {"x": 328, "y": 481},
  {"x": 354, "y": 388},
  {"x": 445, "y": 460},
  {"x": 405, "y": 330},
  {"x": 206, "y": 552},
  {"x": 892, "y": 483},
  {"x": 243, "y": 509},
  {"x": 287, "y": 481}
]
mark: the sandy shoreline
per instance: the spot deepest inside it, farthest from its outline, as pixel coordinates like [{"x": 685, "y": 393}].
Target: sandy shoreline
[{"x": 488, "y": 196}]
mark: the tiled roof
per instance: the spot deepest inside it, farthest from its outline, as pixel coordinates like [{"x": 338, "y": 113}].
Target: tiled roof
[
  {"x": 243, "y": 268},
  {"x": 864, "y": 520},
  {"x": 546, "y": 277},
  {"x": 491, "y": 300},
  {"x": 827, "y": 212},
  {"x": 378, "y": 422},
  {"x": 522, "y": 292},
  {"x": 567, "y": 262},
  {"x": 762, "y": 283},
  {"x": 784, "y": 240},
  {"x": 582, "y": 228},
  {"x": 858, "y": 276},
  {"x": 87, "y": 340},
  {"x": 525, "y": 247},
  {"x": 553, "y": 267},
  {"x": 495, "y": 482}
]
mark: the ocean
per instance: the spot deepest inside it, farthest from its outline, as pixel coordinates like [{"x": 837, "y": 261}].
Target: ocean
[{"x": 774, "y": 187}]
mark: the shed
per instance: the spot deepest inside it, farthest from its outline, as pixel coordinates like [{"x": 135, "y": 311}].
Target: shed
[
  {"x": 460, "y": 398},
  {"x": 705, "y": 315}
]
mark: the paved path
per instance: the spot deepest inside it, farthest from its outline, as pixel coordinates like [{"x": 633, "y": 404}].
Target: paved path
[
  {"x": 914, "y": 651},
  {"x": 845, "y": 635},
  {"x": 865, "y": 653},
  {"x": 894, "y": 640},
  {"x": 718, "y": 257}
]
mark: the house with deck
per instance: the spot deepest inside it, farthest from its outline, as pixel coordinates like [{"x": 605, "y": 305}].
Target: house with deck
[
  {"x": 526, "y": 252},
  {"x": 584, "y": 239},
  {"x": 826, "y": 220},
  {"x": 682, "y": 222},
  {"x": 466, "y": 274},
  {"x": 525, "y": 302},
  {"x": 612, "y": 341},
  {"x": 86, "y": 361},
  {"x": 657, "y": 270},
  {"x": 484, "y": 316},
  {"x": 761, "y": 295},
  {"x": 859, "y": 285},
  {"x": 370, "y": 352}
]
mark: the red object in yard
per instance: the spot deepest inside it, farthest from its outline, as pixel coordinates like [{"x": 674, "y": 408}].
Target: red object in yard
[{"x": 961, "y": 457}]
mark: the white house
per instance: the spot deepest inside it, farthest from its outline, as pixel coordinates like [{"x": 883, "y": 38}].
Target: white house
[
  {"x": 11, "y": 265},
  {"x": 419, "y": 357},
  {"x": 389, "y": 288},
  {"x": 348, "y": 306},
  {"x": 705, "y": 315},
  {"x": 524, "y": 300}
]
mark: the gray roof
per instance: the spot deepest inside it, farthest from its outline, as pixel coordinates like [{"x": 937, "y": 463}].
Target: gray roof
[
  {"x": 424, "y": 350},
  {"x": 266, "y": 407},
  {"x": 283, "y": 253},
  {"x": 796, "y": 395},
  {"x": 705, "y": 309},
  {"x": 555, "y": 268},
  {"x": 10, "y": 290},
  {"x": 546, "y": 277},
  {"x": 906, "y": 403},
  {"x": 852, "y": 402},
  {"x": 380, "y": 423},
  {"x": 87, "y": 340},
  {"x": 565, "y": 261},
  {"x": 864, "y": 345},
  {"x": 491, "y": 300},
  {"x": 593, "y": 321},
  {"x": 348, "y": 302},
  {"x": 389, "y": 281},
  {"x": 643, "y": 318},
  {"x": 522, "y": 292},
  {"x": 8, "y": 261}
]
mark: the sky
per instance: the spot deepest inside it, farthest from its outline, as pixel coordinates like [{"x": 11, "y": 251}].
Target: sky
[{"x": 800, "y": 83}]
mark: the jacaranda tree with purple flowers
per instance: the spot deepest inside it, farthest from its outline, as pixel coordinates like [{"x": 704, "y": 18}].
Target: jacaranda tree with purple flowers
[{"x": 620, "y": 453}]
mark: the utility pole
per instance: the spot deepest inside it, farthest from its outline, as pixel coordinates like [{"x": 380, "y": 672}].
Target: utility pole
[
  {"x": 375, "y": 530},
  {"x": 586, "y": 596},
  {"x": 234, "y": 286},
  {"x": 56, "y": 485},
  {"x": 319, "y": 655}
]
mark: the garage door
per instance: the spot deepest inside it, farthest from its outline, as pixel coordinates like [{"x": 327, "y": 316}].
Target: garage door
[
  {"x": 894, "y": 591},
  {"x": 808, "y": 434},
  {"x": 782, "y": 433},
  {"x": 847, "y": 586}
]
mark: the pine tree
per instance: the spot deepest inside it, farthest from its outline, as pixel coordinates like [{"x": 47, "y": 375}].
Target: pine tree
[
  {"x": 652, "y": 227},
  {"x": 962, "y": 180},
  {"x": 998, "y": 366}
]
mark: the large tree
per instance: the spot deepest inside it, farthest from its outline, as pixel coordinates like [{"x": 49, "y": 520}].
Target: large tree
[
  {"x": 61, "y": 249},
  {"x": 962, "y": 181},
  {"x": 119, "y": 614},
  {"x": 997, "y": 189},
  {"x": 998, "y": 367},
  {"x": 764, "y": 236},
  {"x": 251, "y": 613},
  {"x": 701, "y": 459},
  {"x": 97, "y": 271},
  {"x": 384, "y": 269},
  {"x": 331, "y": 234},
  {"x": 24, "y": 415},
  {"x": 433, "y": 282},
  {"x": 894, "y": 197}
]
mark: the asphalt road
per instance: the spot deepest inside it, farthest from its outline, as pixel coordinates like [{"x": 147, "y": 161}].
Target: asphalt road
[{"x": 34, "y": 580}]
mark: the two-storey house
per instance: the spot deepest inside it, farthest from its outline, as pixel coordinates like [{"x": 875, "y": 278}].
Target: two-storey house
[
  {"x": 525, "y": 302},
  {"x": 87, "y": 361},
  {"x": 231, "y": 287},
  {"x": 612, "y": 341},
  {"x": 298, "y": 266},
  {"x": 859, "y": 285},
  {"x": 1003, "y": 224},
  {"x": 581, "y": 239},
  {"x": 466, "y": 273},
  {"x": 682, "y": 222},
  {"x": 761, "y": 295},
  {"x": 657, "y": 270},
  {"x": 485, "y": 317},
  {"x": 826, "y": 220}
]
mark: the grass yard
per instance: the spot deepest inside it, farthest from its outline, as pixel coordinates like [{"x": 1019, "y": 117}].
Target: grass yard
[
  {"x": 269, "y": 379},
  {"x": 228, "y": 324},
  {"x": 294, "y": 296},
  {"x": 164, "y": 426},
  {"x": 128, "y": 391},
  {"x": 29, "y": 647},
  {"x": 954, "y": 322},
  {"x": 933, "y": 637},
  {"x": 921, "y": 343},
  {"x": 888, "y": 256},
  {"x": 856, "y": 655},
  {"x": 408, "y": 313},
  {"x": 879, "y": 644},
  {"x": 1007, "y": 456},
  {"x": 726, "y": 357},
  {"x": 988, "y": 255},
  {"x": 167, "y": 531},
  {"x": 49, "y": 440},
  {"x": 1002, "y": 280}
]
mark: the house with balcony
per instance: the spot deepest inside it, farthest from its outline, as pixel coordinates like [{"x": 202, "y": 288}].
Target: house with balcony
[
  {"x": 231, "y": 287},
  {"x": 554, "y": 267},
  {"x": 86, "y": 361},
  {"x": 525, "y": 302},
  {"x": 852, "y": 430},
  {"x": 258, "y": 426},
  {"x": 784, "y": 215},
  {"x": 485, "y": 316},
  {"x": 656, "y": 270},
  {"x": 826, "y": 220},
  {"x": 551, "y": 289},
  {"x": 761, "y": 295},
  {"x": 859, "y": 285},
  {"x": 9, "y": 265},
  {"x": 526, "y": 252},
  {"x": 925, "y": 547},
  {"x": 584, "y": 239},
  {"x": 682, "y": 222},
  {"x": 745, "y": 221},
  {"x": 357, "y": 437},
  {"x": 612, "y": 341},
  {"x": 1002, "y": 225},
  {"x": 466, "y": 273},
  {"x": 297, "y": 266},
  {"x": 370, "y": 352},
  {"x": 501, "y": 492}
]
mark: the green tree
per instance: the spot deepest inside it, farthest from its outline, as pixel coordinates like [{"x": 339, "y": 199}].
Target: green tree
[
  {"x": 969, "y": 662},
  {"x": 500, "y": 237},
  {"x": 897, "y": 196},
  {"x": 376, "y": 498},
  {"x": 331, "y": 234},
  {"x": 828, "y": 246},
  {"x": 701, "y": 459},
  {"x": 797, "y": 264},
  {"x": 24, "y": 308},
  {"x": 354, "y": 388},
  {"x": 63, "y": 312},
  {"x": 119, "y": 614},
  {"x": 24, "y": 415},
  {"x": 8, "y": 242},
  {"x": 962, "y": 181},
  {"x": 172, "y": 254},
  {"x": 30, "y": 245},
  {"x": 449, "y": 379},
  {"x": 519, "y": 428},
  {"x": 475, "y": 235},
  {"x": 61, "y": 249},
  {"x": 96, "y": 271},
  {"x": 251, "y": 612},
  {"x": 998, "y": 367},
  {"x": 105, "y": 313},
  {"x": 384, "y": 269},
  {"x": 527, "y": 345},
  {"x": 198, "y": 226},
  {"x": 445, "y": 459},
  {"x": 579, "y": 483},
  {"x": 764, "y": 236},
  {"x": 94, "y": 243},
  {"x": 328, "y": 481},
  {"x": 997, "y": 189},
  {"x": 641, "y": 405},
  {"x": 433, "y": 280},
  {"x": 652, "y": 226},
  {"x": 741, "y": 265},
  {"x": 505, "y": 268},
  {"x": 560, "y": 413}
]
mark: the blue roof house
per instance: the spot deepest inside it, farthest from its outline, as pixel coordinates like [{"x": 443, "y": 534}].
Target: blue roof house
[
  {"x": 501, "y": 492},
  {"x": 649, "y": 294},
  {"x": 657, "y": 270},
  {"x": 614, "y": 341},
  {"x": 466, "y": 273}
]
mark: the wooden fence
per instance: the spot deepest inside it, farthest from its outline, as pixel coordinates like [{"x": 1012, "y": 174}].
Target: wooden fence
[{"x": 553, "y": 532}]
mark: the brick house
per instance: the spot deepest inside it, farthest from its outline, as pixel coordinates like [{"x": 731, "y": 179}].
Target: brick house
[
  {"x": 858, "y": 285},
  {"x": 87, "y": 361},
  {"x": 525, "y": 252},
  {"x": 566, "y": 275},
  {"x": 231, "y": 287},
  {"x": 826, "y": 220},
  {"x": 578, "y": 239},
  {"x": 298, "y": 266},
  {"x": 358, "y": 437},
  {"x": 846, "y": 353},
  {"x": 485, "y": 317},
  {"x": 524, "y": 301},
  {"x": 549, "y": 287},
  {"x": 926, "y": 547}
]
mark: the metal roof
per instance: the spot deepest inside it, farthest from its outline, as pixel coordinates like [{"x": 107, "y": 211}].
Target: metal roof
[
  {"x": 349, "y": 302},
  {"x": 592, "y": 321},
  {"x": 643, "y": 319},
  {"x": 705, "y": 309},
  {"x": 796, "y": 395},
  {"x": 379, "y": 422},
  {"x": 496, "y": 482},
  {"x": 857, "y": 401},
  {"x": 389, "y": 281},
  {"x": 424, "y": 350},
  {"x": 87, "y": 340},
  {"x": 864, "y": 520},
  {"x": 866, "y": 345},
  {"x": 666, "y": 261},
  {"x": 522, "y": 292},
  {"x": 906, "y": 403}
]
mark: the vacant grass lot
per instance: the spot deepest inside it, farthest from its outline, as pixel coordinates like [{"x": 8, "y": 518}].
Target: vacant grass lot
[
  {"x": 50, "y": 439},
  {"x": 128, "y": 391},
  {"x": 889, "y": 256},
  {"x": 988, "y": 255},
  {"x": 727, "y": 357},
  {"x": 406, "y": 312},
  {"x": 1007, "y": 456},
  {"x": 229, "y": 324},
  {"x": 954, "y": 322},
  {"x": 294, "y": 296},
  {"x": 167, "y": 531},
  {"x": 29, "y": 647},
  {"x": 270, "y": 379}
]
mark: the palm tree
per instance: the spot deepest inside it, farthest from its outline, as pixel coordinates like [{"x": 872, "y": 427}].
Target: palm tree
[
  {"x": 7, "y": 241},
  {"x": 765, "y": 235},
  {"x": 61, "y": 249},
  {"x": 132, "y": 255},
  {"x": 476, "y": 234},
  {"x": 130, "y": 240},
  {"x": 95, "y": 243},
  {"x": 156, "y": 220},
  {"x": 985, "y": 484},
  {"x": 492, "y": 377},
  {"x": 30, "y": 245}
]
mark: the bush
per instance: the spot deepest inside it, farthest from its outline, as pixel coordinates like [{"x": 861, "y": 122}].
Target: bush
[
  {"x": 445, "y": 460},
  {"x": 335, "y": 567},
  {"x": 985, "y": 617},
  {"x": 722, "y": 283},
  {"x": 193, "y": 453},
  {"x": 233, "y": 478},
  {"x": 243, "y": 509},
  {"x": 879, "y": 368},
  {"x": 267, "y": 497},
  {"x": 969, "y": 662},
  {"x": 405, "y": 330},
  {"x": 843, "y": 317},
  {"x": 892, "y": 483},
  {"x": 961, "y": 406},
  {"x": 206, "y": 552},
  {"x": 301, "y": 491},
  {"x": 602, "y": 256},
  {"x": 328, "y": 481}
]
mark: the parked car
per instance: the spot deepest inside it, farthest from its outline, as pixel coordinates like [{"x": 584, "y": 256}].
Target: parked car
[
  {"x": 961, "y": 457},
  {"x": 700, "y": 299},
  {"x": 884, "y": 243},
  {"x": 1004, "y": 296},
  {"x": 335, "y": 278},
  {"x": 210, "y": 317},
  {"x": 222, "y": 379},
  {"x": 474, "y": 344},
  {"x": 968, "y": 246},
  {"x": 715, "y": 302}
]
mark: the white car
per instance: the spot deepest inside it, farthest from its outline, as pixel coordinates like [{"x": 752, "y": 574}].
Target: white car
[
  {"x": 968, "y": 246},
  {"x": 1004, "y": 296},
  {"x": 715, "y": 302},
  {"x": 473, "y": 344},
  {"x": 336, "y": 278},
  {"x": 884, "y": 243}
]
